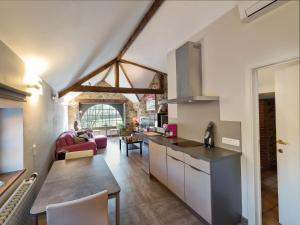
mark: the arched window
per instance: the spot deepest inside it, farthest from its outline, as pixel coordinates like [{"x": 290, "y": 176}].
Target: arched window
[{"x": 101, "y": 115}]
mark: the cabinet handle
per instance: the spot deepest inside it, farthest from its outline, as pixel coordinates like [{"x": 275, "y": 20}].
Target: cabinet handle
[
  {"x": 194, "y": 168},
  {"x": 174, "y": 158}
]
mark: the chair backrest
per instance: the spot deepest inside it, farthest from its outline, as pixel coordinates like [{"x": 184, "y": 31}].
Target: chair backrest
[
  {"x": 90, "y": 210},
  {"x": 79, "y": 154}
]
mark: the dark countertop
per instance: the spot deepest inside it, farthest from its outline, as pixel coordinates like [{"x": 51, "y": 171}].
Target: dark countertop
[
  {"x": 72, "y": 179},
  {"x": 199, "y": 152}
]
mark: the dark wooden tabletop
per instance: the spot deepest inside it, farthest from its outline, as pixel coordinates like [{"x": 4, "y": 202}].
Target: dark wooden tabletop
[
  {"x": 131, "y": 139},
  {"x": 73, "y": 179}
]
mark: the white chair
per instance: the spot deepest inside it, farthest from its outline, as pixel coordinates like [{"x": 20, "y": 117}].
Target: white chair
[
  {"x": 90, "y": 210},
  {"x": 79, "y": 154}
]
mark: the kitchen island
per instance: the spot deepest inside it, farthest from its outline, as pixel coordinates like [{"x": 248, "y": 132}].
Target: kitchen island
[{"x": 207, "y": 180}]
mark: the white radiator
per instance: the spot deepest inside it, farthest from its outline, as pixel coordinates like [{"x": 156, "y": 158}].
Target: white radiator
[{"x": 15, "y": 210}]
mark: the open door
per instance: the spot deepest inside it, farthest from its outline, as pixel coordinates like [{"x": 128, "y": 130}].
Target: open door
[{"x": 288, "y": 146}]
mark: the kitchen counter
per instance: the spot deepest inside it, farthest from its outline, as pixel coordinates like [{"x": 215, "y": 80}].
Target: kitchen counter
[{"x": 199, "y": 152}]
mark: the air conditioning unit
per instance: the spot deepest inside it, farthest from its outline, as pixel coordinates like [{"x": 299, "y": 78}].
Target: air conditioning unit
[{"x": 250, "y": 10}]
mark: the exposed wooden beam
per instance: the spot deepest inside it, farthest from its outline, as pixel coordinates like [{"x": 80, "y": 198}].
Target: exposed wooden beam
[
  {"x": 127, "y": 78},
  {"x": 107, "y": 73},
  {"x": 84, "y": 88},
  {"x": 142, "y": 66},
  {"x": 87, "y": 77},
  {"x": 117, "y": 75},
  {"x": 146, "y": 18},
  {"x": 144, "y": 21},
  {"x": 112, "y": 101}
]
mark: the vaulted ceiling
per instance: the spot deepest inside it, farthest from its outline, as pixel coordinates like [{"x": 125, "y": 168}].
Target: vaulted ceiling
[{"x": 75, "y": 37}]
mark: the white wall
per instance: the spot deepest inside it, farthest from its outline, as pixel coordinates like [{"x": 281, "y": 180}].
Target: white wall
[
  {"x": 11, "y": 140},
  {"x": 266, "y": 80},
  {"x": 230, "y": 50},
  {"x": 43, "y": 121}
]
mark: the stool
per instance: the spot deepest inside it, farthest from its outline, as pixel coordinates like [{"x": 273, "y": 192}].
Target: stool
[{"x": 101, "y": 141}]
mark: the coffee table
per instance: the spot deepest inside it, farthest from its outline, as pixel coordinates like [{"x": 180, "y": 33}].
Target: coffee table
[{"x": 130, "y": 140}]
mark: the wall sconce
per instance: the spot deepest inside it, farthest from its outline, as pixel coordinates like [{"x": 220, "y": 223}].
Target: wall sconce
[
  {"x": 35, "y": 90},
  {"x": 34, "y": 66},
  {"x": 33, "y": 86}
]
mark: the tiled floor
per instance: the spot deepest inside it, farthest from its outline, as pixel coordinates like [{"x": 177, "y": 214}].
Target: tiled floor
[
  {"x": 144, "y": 201},
  {"x": 269, "y": 198}
]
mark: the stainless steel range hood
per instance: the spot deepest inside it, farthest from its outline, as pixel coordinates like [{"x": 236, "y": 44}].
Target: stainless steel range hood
[{"x": 189, "y": 76}]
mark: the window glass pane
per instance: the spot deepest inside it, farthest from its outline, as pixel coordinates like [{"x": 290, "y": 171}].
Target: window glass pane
[{"x": 101, "y": 115}]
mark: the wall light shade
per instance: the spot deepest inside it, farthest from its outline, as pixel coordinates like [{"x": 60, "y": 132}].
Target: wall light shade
[
  {"x": 34, "y": 67},
  {"x": 35, "y": 86}
]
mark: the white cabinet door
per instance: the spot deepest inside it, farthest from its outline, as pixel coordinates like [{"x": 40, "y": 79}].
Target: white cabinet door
[
  {"x": 176, "y": 176},
  {"x": 198, "y": 191},
  {"x": 158, "y": 161}
]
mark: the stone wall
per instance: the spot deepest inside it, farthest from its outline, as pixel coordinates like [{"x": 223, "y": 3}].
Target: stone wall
[
  {"x": 130, "y": 112},
  {"x": 142, "y": 111},
  {"x": 132, "y": 109}
]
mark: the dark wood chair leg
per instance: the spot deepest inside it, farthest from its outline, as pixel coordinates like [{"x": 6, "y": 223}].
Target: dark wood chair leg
[
  {"x": 120, "y": 144},
  {"x": 141, "y": 148}
]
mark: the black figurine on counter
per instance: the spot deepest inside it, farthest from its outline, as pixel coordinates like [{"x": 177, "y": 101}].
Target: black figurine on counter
[{"x": 209, "y": 136}]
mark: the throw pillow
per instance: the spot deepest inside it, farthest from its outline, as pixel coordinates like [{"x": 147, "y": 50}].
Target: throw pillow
[{"x": 79, "y": 140}]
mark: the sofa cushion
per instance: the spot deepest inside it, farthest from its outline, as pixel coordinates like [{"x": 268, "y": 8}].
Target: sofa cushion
[
  {"x": 69, "y": 139},
  {"x": 61, "y": 142},
  {"x": 78, "y": 140}
]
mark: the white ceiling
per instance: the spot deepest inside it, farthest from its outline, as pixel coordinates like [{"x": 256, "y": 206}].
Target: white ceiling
[
  {"x": 75, "y": 37},
  {"x": 172, "y": 26}
]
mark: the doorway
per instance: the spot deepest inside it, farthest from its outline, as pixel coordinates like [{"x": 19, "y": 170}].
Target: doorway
[
  {"x": 268, "y": 158},
  {"x": 279, "y": 149}
]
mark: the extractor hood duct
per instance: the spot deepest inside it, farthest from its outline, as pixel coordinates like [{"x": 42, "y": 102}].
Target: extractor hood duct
[{"x": 189, "y": 75}]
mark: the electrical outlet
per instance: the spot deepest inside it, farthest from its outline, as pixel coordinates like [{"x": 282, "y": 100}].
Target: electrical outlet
[{"x": 230, "y": 141}]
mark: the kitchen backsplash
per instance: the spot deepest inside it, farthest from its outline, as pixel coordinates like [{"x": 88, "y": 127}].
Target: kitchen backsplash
[{"x": 193, "y": 120}]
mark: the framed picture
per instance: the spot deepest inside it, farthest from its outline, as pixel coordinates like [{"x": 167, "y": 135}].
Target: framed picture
[{"x": 150, "y": 102}]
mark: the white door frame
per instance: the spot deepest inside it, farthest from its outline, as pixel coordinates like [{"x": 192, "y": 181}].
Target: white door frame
[{"x": 253, "y": 162}]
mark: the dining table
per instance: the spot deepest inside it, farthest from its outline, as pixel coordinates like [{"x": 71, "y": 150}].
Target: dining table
[{"x": 73, "y": 179}]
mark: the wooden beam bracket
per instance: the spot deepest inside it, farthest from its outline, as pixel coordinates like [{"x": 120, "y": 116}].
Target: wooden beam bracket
[
  {"x": 141, "y": 66},
  {"x": 87, "y": 77},
  {"x": 117, "y": 75},
  {"x": 129, "y": 81}
]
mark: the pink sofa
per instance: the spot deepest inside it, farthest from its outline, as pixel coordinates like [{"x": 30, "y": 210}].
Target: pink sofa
[{"x": 66, "y": 141}]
